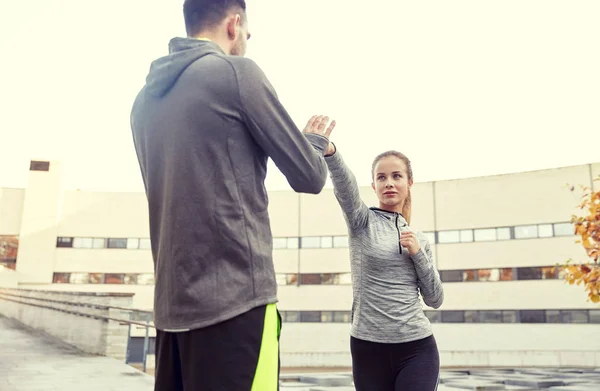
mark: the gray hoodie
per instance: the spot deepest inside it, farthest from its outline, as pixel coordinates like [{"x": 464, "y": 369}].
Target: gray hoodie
[{"x": 204, "y": 126}]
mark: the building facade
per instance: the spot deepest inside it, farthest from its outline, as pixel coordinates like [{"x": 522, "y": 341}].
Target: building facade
[{"x": 496, "y": 241}]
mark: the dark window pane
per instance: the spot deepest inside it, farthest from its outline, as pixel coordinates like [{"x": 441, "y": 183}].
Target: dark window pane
[
  {"x": 506, "y": 274},
  {"x": 310, "y": 316},
  {"x": 509, "y": 316},
  {"x": 574, "y": 316},
  {"x": 471, "y": 317},
  {"x": 529, "y": 273},
  {"x": 451, "y": 275},
  {"x": 130, "y": 279},
  {"x": 64, "y": 242},
  {"x": 532, "y": 316},
  {"x": 292, "y": 279},
  {"x": 552, "y": 316},
  {"x": 341, "y": 316},
  {"x": 469, "y": 275},
  {"x": 117, "y": 243},
  {"x": 433, "y": 316},
  {"x": 326, "y": 279},
  {"x": 61, "y": 278},
  {"x": 453, "y": 316},
  {"x": 310, "y": 279},
  {"x": 490, "y": 316},
  {"x": 36, "y": 165},
  {"x": 594, "y": 316},
  {"x": 114, "y": 279}
]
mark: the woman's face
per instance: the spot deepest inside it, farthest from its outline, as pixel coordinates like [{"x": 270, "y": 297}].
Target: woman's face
[{"x": 391, "y": 183}]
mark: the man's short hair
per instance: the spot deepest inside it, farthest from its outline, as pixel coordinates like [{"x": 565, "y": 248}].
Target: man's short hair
[{"x": 202, "y": 15}]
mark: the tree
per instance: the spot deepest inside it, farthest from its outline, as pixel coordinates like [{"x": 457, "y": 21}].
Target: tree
[{"x": 587, "y": 227}]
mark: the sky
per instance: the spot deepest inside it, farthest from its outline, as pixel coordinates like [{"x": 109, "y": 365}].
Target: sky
[{"x": 464, "y": 88}]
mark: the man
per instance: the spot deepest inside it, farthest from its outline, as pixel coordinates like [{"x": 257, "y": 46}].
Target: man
[{"x": 204, "y": 126}]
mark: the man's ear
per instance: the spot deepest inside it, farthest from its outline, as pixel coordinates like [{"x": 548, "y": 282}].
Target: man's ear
[{"x": 233, "y": 26}]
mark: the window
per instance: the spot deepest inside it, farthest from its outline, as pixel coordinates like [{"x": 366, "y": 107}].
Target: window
[
  {"x": 114, "y": 279},
  {"x": 145, "y": 244},
  {"x": 449, "y": 236},
  {"x": 327, "y": 242},
  {"x": 453, "y": 316},
  {"x": 451, "y": 275},
  {"x": 99, "y": 243},
  {"x": 130, "y": 279},
  {"x": 594, "y": 316},
  {"x": 292, "y": 243},
  {"x": 327, "y": 279},
  {"x": 79, "y": 278},
  {"x": 506, "y": 274},
  {"x": 466, "y": 235},
  {"x": 292, "y": 316},
  {"x": 326, "y": 316},
  {"x": 281, "y": 279},
  {"x": 526, "y": 232},
  {"x": 485, "y": 235},
  {"x": 292, "y": 279},
  {"x": 532, "y": 316},
  {"x": 545, "y": 231},
  {"x": 564, "y": 229},
  {"x": 145, "y": 279},
  {"x": 341, "y": 317},
  {"x": 552, "y": 316},
  {"x": 36, "y": 165},
  {"x": 117, "y": 243},
  {"x": 503, "y": 233},
  {"x": 61, "y": 278},
  {"x": 64, "y": 242},
  {"x": 490, "y": 316},
  {"x": 340, "y": 241},
  {"x": 310, "y": 279},
  {"x": 488, "y": 275},
  {"x": 529, "y": 273},
  {"x": 468, "y": 275},
  {"x": 471, "y": 317},
  {"x": 279, "y": 243},
  {"x": 310, "y": 316},
  {"x": 83, "y": 243},
  {"x": 574, "y": 316},
  {"x": 310, "y": 242},
  {"x": 509, "y": 316},
  {"x": 96, "y": 278},
  {"x": 548, "y": 273},
  {"x": 133, "y": 244},
  {"x": 343, "y": 279}
]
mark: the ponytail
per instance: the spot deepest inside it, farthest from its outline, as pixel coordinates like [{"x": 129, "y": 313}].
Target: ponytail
[{"x": 406, "y": 208}]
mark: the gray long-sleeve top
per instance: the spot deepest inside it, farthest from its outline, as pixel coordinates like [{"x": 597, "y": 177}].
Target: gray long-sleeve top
[{"x": 386, "y": 280}]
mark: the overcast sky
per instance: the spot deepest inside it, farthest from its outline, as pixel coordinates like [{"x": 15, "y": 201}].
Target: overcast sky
[{"x": 464, "y": 88}]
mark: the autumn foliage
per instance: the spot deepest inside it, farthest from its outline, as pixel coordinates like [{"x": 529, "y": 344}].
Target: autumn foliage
[{"x": 587, "y": 227}]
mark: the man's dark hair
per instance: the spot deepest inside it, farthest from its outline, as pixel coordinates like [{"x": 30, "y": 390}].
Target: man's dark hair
[{"x": 201, "y": 15}]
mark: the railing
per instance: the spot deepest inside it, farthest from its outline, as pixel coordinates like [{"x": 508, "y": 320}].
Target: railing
[{"x": 14, "y": 296}]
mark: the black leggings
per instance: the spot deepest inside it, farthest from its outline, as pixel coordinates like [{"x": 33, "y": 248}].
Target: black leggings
[{"x": 409, "y": 366}]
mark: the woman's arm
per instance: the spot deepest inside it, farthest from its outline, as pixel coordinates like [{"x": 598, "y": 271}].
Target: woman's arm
[
  {"x": 346, "y": 191},
  {"x": 429, "y": 282}
]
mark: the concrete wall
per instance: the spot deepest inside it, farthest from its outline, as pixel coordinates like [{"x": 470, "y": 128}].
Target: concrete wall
[
  {"x": 11, "y": 210},
  {"x": 55, "y": 315},
  {"x": 304, "y": 344}
]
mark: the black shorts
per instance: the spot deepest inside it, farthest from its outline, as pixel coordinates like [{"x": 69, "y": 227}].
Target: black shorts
[{"x": 240, "y": 354}]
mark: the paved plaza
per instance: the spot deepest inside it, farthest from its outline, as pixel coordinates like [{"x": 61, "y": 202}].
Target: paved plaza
[{"x": 31, "y": 361}]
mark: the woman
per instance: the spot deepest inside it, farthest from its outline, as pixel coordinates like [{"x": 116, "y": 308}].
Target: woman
[{"x": 392, "y": 344}]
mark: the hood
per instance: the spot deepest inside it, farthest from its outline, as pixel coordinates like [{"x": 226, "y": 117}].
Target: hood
[{"x": 165, "y": 71}]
